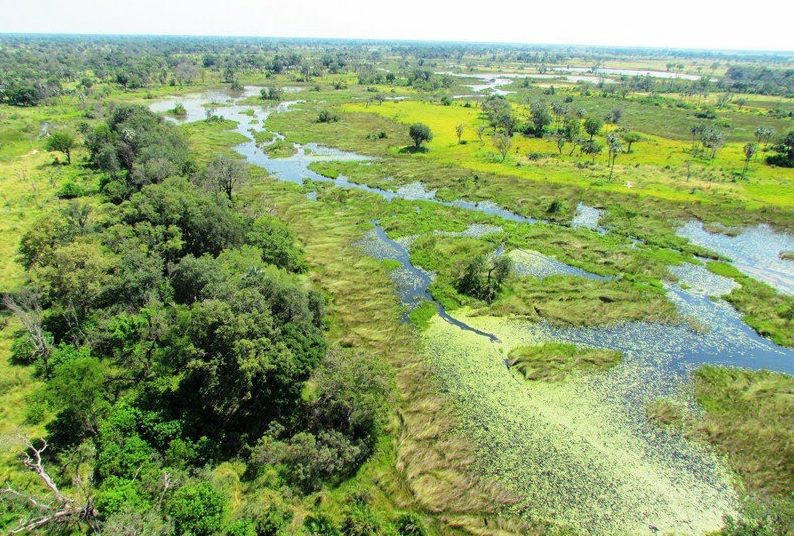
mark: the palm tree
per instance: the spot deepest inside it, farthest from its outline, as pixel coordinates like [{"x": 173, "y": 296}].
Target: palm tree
[
  {"x": 615, "y": 148},
  {"x": 749, "y": 152}
]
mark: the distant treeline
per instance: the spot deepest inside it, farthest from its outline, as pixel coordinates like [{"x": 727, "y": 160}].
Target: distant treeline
[{"x": 763, "y": 80}]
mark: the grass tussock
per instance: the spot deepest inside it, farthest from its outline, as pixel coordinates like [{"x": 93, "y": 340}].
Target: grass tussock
[
  {"x": 749, "y": 417},
  {"x": 567, "y": 300},
  {"x": 557, "y": 361}
]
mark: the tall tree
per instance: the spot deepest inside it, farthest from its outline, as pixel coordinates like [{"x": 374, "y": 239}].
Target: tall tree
[
  {"x": 592, "y": 125},
  {"x": 502, "y": 142},
  {"x": 615, "y": 148},
  {"x": 749, "y": 152},
  {"x": 62, "y": 141},
  {"x": 226, "y": 174}
]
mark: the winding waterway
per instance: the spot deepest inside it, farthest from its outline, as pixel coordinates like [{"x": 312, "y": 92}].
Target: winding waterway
[{"x": 582, "y": 451}]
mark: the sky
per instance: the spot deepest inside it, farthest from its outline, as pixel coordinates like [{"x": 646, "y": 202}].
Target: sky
[{"x": 712, "y": 24}]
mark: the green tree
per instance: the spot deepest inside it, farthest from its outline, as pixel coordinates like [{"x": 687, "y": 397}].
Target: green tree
[
  {"x": 226, "y": 174},
  {"x": 572, "y": 128},
  {"x": 77, "y": 276},
  {"x": 749, "y": 151},
  {"x": 592, "y": 125},
  {"x": 77, "y": 388},
  {"x": 420, "y": 133},
  {"x": 503, "y": 143},
  {"x": 197, "y": 510},
  {"x": 62, "y": 141},
  {"x": 712, "y": 139},
  {"x": 459, "y": 131},
  {"x": 277, "y": 243},
  {"x": 764, "y": 134},
  {"x": 615, "y": 148},
  {"x": 541, "y": 118},
  {"x": 784, "y": 150},
  {"x": 591, "y": 148},
  {"x": 631, "y": 138}
]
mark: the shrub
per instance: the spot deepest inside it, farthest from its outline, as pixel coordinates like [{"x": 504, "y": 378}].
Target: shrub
[
  {"x": 327, "y": 117},
  {"x": 197, "y": 510},
  {"x": 409, "y": 524},
  {"x": 70, "y": 190}
]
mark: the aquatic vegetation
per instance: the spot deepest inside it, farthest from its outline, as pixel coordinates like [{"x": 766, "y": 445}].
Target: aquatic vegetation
[
  {"x": 567, "y": 449},
  {"x": 702, "y": 279},
  {"x": 532, "y": 263},
  {"x": 573, "y": 300},
  {"x": 747, "y": 416},
  {"x": 756, "y": 252},
  {"x": 769, "y": 312},
  {"x": 557, "y": 361},
  {"x": 587, "y": 217}
]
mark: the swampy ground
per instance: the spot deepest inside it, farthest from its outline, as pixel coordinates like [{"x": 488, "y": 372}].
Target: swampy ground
[{"x": 614, "y": 383}]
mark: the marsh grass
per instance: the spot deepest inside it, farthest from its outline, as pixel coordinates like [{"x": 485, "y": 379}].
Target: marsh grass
[
  {"x": 557, "y": 361},
  {"x": 748, "y": 416},
  {"x": 428, "y": 468},
  {"x": 764, "y": 309}
]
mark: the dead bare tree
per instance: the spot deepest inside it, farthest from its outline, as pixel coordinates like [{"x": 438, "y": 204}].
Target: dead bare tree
[
  {"x": 57, "y": 509},
  {"x": 25, "y": 306}
]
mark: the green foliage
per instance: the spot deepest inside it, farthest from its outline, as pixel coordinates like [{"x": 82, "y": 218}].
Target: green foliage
[
  {"x": 420, "y": 133},
  {"x": 500, "y": 114},
  {"x": 271, "y": 93},
  {"x": 326, "y": 116},
  {"x": 197, "y": 509},
  {"x": 136, "y": 140},
  {"x": 784, "y": 150},
  {"x": 225, "y": 175},
  {"x": 483, "y": 277},
  {"x": 117, "y": 495},
  {"x": 592, "y": 125},
  {"x": 347, "y": 412},
  {"x": 62, "y": 141},
  {"x": 77, "y": 389},
  {"x": 70, "y": 190},
  {"x": 540, "y": 116},
  {"x": 359, "y": 521},
  {"x": 409, "y": 524},
  {"x": 178, "y": 219},
  {"x": 420, "y": 315},
  {"x": 277, "y": 243},
  {"x": 320, "y": 525}
]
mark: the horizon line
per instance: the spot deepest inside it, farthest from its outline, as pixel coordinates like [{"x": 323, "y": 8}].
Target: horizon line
[{"x": 415, "y": 41}]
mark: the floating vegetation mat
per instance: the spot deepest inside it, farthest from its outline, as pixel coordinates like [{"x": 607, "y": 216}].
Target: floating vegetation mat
[
  {"x": 532, "y": 263},
  {"x": 572, "y": 450},
  {"x": 699, "y": 279}
]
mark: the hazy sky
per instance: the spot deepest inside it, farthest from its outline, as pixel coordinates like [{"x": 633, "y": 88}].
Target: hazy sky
[{"x": 662, "y": 23}]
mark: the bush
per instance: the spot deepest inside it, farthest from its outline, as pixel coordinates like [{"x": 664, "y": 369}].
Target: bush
[
  {"x": 197, "y": 510},
  {"x": 70, "y": 190},
  {"x": 359, "y": 521},
  {"x": 706, "y": 114},
  {"x": 320, "y": 525},
  {"x": 327, "y": 117},
  {"x": 409, "y": 524}
]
